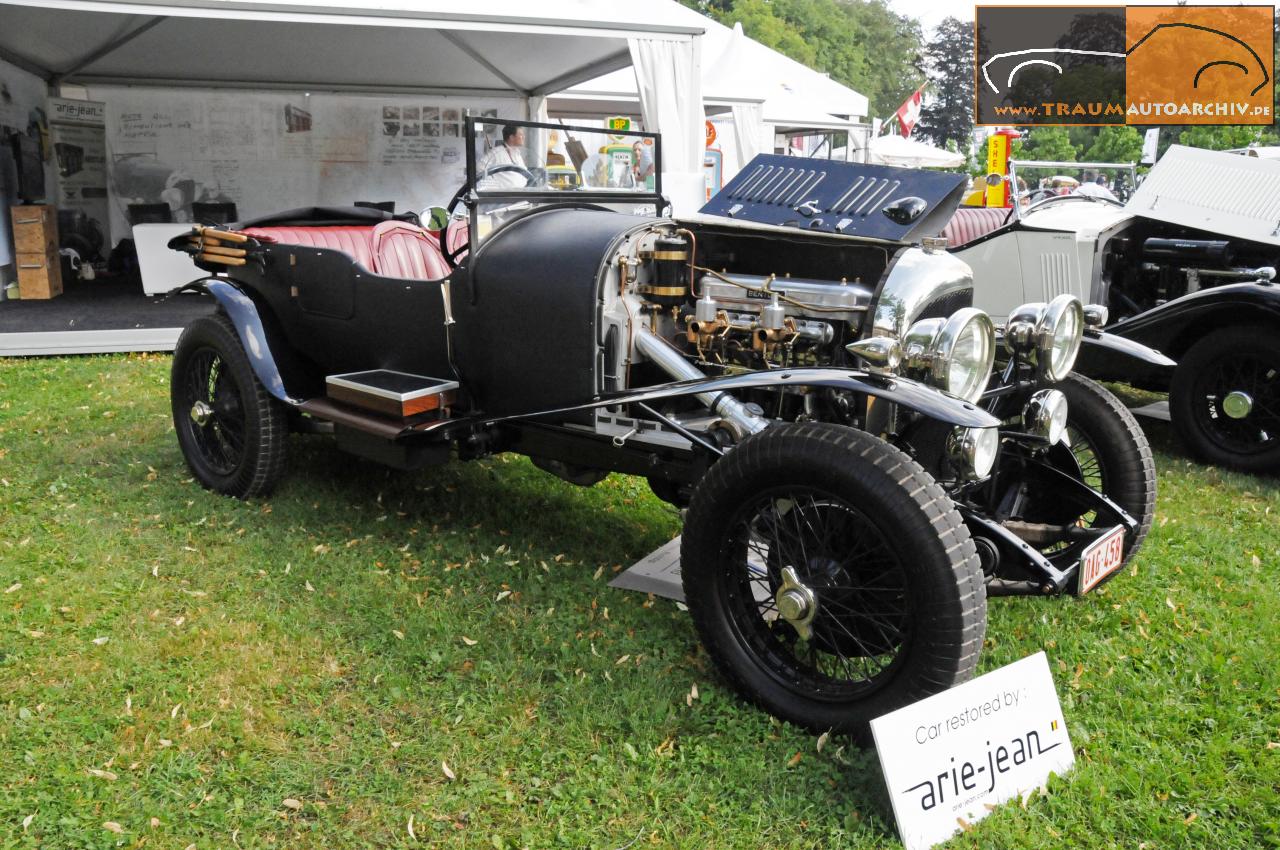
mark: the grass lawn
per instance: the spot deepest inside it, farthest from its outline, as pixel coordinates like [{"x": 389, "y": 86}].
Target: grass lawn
[{"x": 379, "y": 659}]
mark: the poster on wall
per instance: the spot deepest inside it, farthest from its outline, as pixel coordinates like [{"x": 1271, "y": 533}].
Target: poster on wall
[
  {"x": 266, "y": 152},
  {"x": 77, "y": 133}
]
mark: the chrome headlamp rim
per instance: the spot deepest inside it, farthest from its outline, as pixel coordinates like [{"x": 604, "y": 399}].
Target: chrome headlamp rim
[
  {"x": 944, "y": 350},
  {"x": 1056, "y": 365},
  {"x": 973, "y": 451}
]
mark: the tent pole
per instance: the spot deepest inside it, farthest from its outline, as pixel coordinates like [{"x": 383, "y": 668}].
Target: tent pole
[
  {"x": 109, "y": 48},
  {"x": 458, "y": 42},
  {"x": 619, "y": 60}
]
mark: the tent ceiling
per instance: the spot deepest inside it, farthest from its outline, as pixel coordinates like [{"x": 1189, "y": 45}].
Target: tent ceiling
[{"x": 500, "y": 48}]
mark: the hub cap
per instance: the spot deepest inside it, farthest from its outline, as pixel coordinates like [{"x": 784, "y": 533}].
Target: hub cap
[
  {"x": 796, "y": 603},
  {"x": 200, "y": 413},
  {"x": 1237, "y": 404}
]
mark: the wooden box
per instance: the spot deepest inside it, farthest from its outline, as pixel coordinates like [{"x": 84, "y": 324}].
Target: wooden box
[{"x": 35, "y": 242}]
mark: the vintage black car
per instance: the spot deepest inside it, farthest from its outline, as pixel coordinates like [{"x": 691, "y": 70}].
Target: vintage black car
[{"x": 861, "y": 461}]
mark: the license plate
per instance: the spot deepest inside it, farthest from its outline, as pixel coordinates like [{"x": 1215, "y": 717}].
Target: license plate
[{"x": 1102, "y": 558}]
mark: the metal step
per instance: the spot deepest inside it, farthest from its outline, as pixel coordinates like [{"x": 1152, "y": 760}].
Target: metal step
[{"x": 390, "y": 393}]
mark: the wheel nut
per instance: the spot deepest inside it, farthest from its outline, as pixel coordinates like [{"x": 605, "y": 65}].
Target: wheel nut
[
  {"x": 1237, "y": 404},
  {"x": 200, "y": 413},
  {"x": 792, "y": 605}
]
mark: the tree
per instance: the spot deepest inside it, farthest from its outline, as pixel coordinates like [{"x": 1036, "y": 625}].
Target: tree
[
  {"x": 1224, "y": 138},
  {"x": 1115, "y": 144},
  {"x": 1052, "y": 144},
  {"x": 947, "y": 115}
]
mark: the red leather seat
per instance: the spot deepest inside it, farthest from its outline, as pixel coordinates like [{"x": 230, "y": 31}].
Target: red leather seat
[
  {"x": 392, "y": 248},
  {"x": 355, "y": 242},
  {"x": 970, "y": 223},
  {"x": 406, "y": 251}
]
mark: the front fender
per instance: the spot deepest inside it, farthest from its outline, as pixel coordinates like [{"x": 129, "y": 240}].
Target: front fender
[
  {"x": 1173, "y": 327},
  {"x": 1107, "y": 357},
  {"x": 254, "y": 337}
]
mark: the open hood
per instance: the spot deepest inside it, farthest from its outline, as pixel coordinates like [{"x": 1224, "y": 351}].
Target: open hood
[
  {"x": 851, "y": 198},
  {"x": 1238, "y": 196}
]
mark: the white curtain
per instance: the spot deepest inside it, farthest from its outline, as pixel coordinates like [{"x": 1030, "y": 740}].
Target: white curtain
[
  {"x": 669, "y": 80},
  {"x": 749, "y": 131},
  {"x": 536, "y": 137}
]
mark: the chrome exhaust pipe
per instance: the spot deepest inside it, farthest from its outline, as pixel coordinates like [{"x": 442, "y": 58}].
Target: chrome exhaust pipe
[{"x": 671, "y": 361}]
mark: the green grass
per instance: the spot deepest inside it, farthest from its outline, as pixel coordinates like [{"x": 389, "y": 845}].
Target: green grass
[{"x": 337, "y": 645}]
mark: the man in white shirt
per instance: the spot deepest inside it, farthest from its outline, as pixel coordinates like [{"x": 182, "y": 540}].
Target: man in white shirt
[{"x": 510, "y": 151}]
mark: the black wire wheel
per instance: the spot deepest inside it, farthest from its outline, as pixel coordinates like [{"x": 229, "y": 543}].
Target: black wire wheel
[
  {"x": 1225, "y": 398},
  {"x": 232, "y": 432},
  {"x": 1110, "y": 453},
  {"x": 830, "y": 578}
]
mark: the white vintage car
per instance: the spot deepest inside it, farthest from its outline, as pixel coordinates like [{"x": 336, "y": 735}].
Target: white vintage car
[{"x": 1184, "y": 266}]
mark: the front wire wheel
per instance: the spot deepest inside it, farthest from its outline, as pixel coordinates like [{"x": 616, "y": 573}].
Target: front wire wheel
[
  {"x": 1113, "y": 454},
  {"x": 231, "y": 431},
  {"x": 830, "y": 578}
]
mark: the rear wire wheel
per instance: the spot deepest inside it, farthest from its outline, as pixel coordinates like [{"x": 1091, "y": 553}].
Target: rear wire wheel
[
  {"x": 231, "y": 431},
  {"x": 830, "y": 577}
]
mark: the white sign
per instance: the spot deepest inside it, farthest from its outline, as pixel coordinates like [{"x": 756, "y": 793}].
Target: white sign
[
  {"x": 950, "y": 758},
  {"x": 1150, "y": 142},
  {"x": 65, "y": 111}
]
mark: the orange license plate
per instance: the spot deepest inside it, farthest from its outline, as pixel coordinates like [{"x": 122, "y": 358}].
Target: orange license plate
[{"x": 1103, "y": 557}]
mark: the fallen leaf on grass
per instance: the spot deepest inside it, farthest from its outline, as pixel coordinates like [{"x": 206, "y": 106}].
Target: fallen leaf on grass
[
  {"x": 964, "y": 824},
  {"x": 449, "y": 774},
  {"x": 165, "y": 742},
  {"x": 26, "y": 822},
  {"x": 1273, "y": 745},
  {"x": 155, "y": 823},
  {"x": 1257, "y": 562},
  {"x": 795, "y": 759},
  {"x": 309, "y": 588},
  {"x": 112, "y": 826},
  {"x": 399, "y": 634},
  {"x": 822, "y": 740},
  {"x": 411, "y": 834},
  {"x": 623, "y": 660},
  {"x": 101, "y": 640},
  {"x": 13, "y": 588},
  {"x": 103, "y": 774},
  {"x": 599, "y": 572},
  {"x": 503, "y": 595},
  {"x": 174, "y": 713},
  {"x": 290, "y": 803},
  {"x": 468, "y": 641},
  {"x": 1191, "y": 818}
]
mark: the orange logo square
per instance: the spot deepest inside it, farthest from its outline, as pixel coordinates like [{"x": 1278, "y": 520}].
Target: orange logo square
[{"x": 1199, "y": 65}]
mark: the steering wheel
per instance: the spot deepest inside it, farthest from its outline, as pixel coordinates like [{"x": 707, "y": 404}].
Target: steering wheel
[{"x": 1093, "y": 199}]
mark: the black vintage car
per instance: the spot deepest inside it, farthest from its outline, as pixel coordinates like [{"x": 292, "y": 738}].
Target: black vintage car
[{"x": 861, "y": 461}]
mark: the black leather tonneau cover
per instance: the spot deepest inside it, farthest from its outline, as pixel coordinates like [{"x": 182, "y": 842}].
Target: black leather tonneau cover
[
  {"x": 838, "y": 197},
  {"x": 335, "y": 216}
]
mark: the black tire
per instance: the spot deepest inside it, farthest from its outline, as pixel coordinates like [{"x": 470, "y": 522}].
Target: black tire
[
  {"x": 1233, "y": 359},
  {"x": 1113, "y": 453},
  {"x": 239, "y": 447},
  {"x": 876, "y": 517}
]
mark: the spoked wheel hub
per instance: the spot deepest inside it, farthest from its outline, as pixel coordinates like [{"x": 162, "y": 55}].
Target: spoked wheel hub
[
  {"x": 796, "y": 603},
  {"x": 1237, "y": 404},
  {"x": 201, "y": 413}
]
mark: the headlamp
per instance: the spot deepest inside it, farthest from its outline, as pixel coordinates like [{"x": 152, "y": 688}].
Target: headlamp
[
  {"x": 954, "y": 354},
  {"x": 1050, "y": 333}
]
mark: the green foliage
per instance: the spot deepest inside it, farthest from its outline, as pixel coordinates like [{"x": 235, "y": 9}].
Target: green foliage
[
  {"x": 860, "y": 43},
  {"x": 296, "y": 673},
  {"x": 1046, "y": 143},
  {"x": 1226, "y": 138},
  {"x": 1115, "y": 144},
  {"x": 947, "y": 116}
]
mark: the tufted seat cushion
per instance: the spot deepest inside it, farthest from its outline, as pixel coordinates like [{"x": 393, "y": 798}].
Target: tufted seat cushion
[
  {"x": 356, "y": 242},
  {"x": 970, "y": 223},
  {"x": 406, "y": 251},
  {"x": 391, "y": 248}
]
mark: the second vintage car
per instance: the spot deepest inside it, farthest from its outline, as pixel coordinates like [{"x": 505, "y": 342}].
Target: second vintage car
[
  {"x": 1186, "y": 266},
  {"x": 860, "y": 459}
]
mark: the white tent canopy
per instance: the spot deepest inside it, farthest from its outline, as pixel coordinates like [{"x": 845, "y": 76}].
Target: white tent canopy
[
  {"x": 908, "y": 153},
  {"x": 490, "y": 48},
  {"x": 736, "y": 69}
]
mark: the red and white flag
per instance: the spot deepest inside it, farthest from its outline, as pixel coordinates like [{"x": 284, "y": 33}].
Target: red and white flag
[{"x": 909, "y": 112}]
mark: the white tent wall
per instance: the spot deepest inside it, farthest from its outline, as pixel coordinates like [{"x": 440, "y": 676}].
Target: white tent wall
[
  {"x": 669, "y": 80},
  {"x": 22, "y": 97},
  {"x": 268, "y": 151}
]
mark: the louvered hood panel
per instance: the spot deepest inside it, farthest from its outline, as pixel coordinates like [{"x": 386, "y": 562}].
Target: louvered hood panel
[
  {"x": 837, "y": 197},
  {"x": 1220, "y": 192}
]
